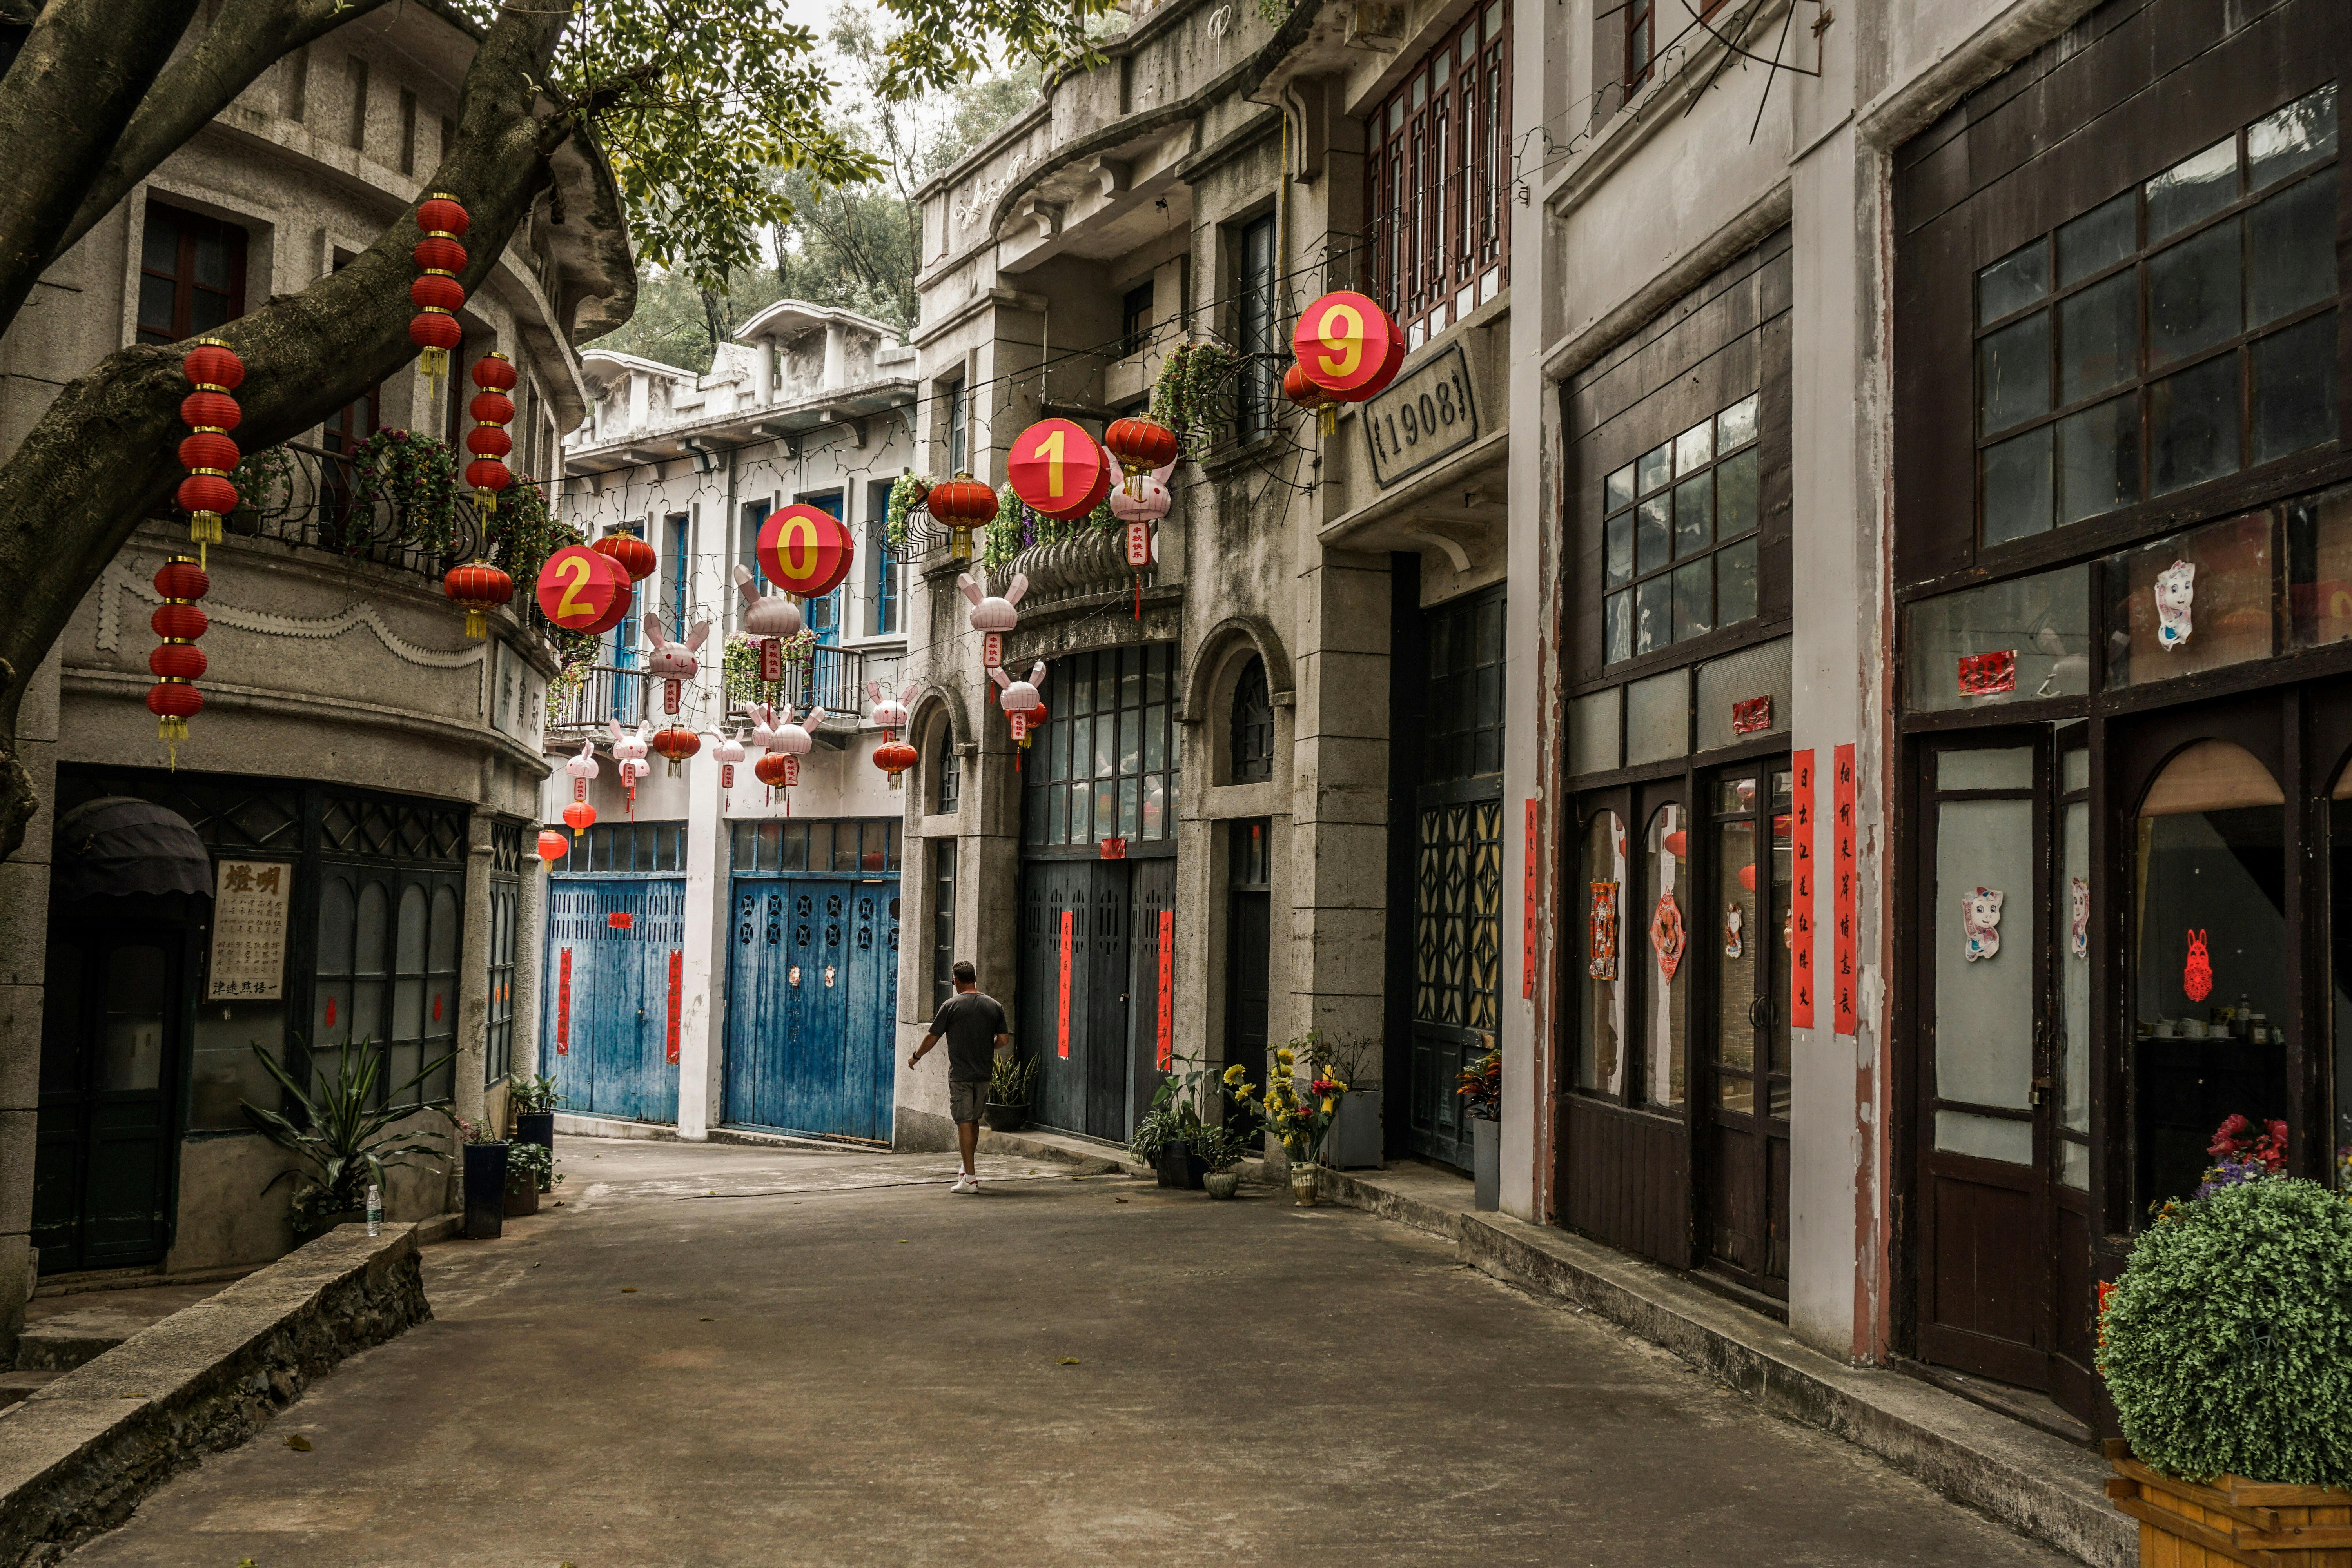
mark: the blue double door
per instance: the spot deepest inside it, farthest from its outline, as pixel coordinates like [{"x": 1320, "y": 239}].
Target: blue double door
[
  {"x": 812, "y": 1004},
  {"x": 612, "y": 983}
]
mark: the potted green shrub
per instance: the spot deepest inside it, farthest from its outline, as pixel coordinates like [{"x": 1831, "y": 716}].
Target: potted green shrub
[
  {"x": 530, "y": 1169},
  {"x": 534, "y": 1100},
  {"x": 1010, "y": 1081},
  {"x": 344, "y": 1137},
  {"x": 1482, "y": 1107},
  {"x": 1219, "y": 1149},
  {"x": 486, "y": 1179},
  {"x": 2226, "y": 1345},
  {"x": 1169, "y": 1136}
]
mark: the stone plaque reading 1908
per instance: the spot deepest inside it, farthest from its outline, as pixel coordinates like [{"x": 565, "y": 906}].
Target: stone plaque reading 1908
[
  {"x": 249, "y": 931},
  {"x": 1427, "y": 415}
]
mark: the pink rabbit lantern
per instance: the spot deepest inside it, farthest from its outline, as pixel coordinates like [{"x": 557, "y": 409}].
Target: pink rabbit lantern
[
  {"x": 726, "y": 753},
  {"x": 890, "y": 712},
  {"x": 672, "y": 662},
  {"x": 1019, "y": 699},
  {"x": 771, "y": 618},
  {"x": 629, "y": 749},
  {"x": 991, "y": 615},
  {"x": 1141, "y": 500},
  {"x": 790, "y": 743}
]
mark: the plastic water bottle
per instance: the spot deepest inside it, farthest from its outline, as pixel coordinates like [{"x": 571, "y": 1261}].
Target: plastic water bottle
[{"x": 375, "y": 1210}]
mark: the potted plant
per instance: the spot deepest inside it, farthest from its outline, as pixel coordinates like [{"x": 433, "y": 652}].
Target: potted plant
[
  {"x": 1301, "y": 1122},
  {"x": 1165, "y": 1134},
  {"x": 529, "y": 1172},
  {"x": 1009, "y": 1083},
  {"x": 534, "y": 1100},
  {"x": 2222, "y": 1345},
  {"x": 1355, "y": 1142},
  {"x": 1482, "y": 1106},
  {"x": 345, "y": 1140},
  {"x": 486, "y": 1179},
  {"x": 1219, "y": 1149}
]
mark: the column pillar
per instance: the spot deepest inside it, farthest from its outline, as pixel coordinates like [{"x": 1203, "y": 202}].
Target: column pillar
[
  {"x": 23, "y": 959},
  {"x": 702, "y": 1008}
]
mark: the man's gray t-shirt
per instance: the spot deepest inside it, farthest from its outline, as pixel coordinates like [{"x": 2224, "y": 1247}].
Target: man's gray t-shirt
[{"x": 970, "y": 1021}]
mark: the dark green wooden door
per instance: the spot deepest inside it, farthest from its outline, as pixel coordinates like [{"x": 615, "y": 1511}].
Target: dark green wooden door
[{"x": 109, "y": 1054}]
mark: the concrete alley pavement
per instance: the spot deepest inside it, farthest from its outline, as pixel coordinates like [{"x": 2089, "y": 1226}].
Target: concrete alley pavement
[{"x": 727, "y": 1356}]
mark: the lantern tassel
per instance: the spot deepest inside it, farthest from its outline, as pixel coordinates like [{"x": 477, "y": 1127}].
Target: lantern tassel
[
  {"x": 1327, "y": 419},
  {"x": 477, "y": 625},
  {"x": 486, "y": 502}
]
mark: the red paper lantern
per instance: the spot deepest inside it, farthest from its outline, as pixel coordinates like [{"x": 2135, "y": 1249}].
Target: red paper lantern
[
  {"x": 552, "y": 847},
  {"x": 437, "y": 293},
  {"x": 1348, "y": 346},
  {"x": 182, "y": 578},
  {"x": 894, "y": 758},
  {"x": 494, "y": 372},
  {"x": 176, "y": 705},
  {"x": 807, "y": 552},
  {"x": 480, "y": 587},
  {"x": 488, "y": 441},
  {"x": 633, "y": 556},
  {"x": 963, "y": 504},
  {"x": 1059, "y": 469},
  {"x": 492, "y": 407},
  {"x": 177, "y": 661},
  {"x": 1140, "y": 444},
  {"x": 580, "y": 817},
  {"x": 437, "y": 335},
  {"x": 581, "y": 591},
  {"x": 776, "y": 769},
  {"x": 214, "y": 370},
  {"x": 440, "y": 213},
  {"x": 185, "y": 622},
  {"x": 674, "y": 745}
]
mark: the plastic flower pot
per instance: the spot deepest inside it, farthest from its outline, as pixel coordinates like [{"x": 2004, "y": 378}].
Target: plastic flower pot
[
  {"x": 538, "y": 1127},
  {"x": 1004, "y": 1118},
  {"x": 485, "y": 1191},
  {"x": 1178, "y": 1167}
]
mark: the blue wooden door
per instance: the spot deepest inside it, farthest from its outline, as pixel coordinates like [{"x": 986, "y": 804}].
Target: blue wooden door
[
  {"x": 812, "y": 1000},
  {"x": 612, "y": 976}
]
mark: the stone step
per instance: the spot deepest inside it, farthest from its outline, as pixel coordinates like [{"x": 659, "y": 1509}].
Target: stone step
[
  {"x": 16, "y": 1384},
  {"x": 65, "y": 1342}
]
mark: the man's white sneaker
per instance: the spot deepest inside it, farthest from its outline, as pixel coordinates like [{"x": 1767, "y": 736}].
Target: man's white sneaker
[{"x": 964, "y": 1185}]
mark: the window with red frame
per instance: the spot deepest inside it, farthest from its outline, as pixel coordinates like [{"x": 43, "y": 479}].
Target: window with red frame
[
  {"x": 1642, "y": 33},
  {"x": 1439, "y": 175},
  {"x": 191, "y": 274}
]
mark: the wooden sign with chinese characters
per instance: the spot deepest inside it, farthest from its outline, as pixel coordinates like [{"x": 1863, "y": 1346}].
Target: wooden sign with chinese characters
[
  {"x": 1844, "y": 965},
  {"x": 1527, "y": 914},
  {"x": 1801, "y": 901},
  {"x": 1062, "y": 1030},
  {"x": 677, "y": 985},
  {"x": 563, "y": 1005},
  {"x": 249, "y": 931},
  {"x": 1167, "y": 987}
]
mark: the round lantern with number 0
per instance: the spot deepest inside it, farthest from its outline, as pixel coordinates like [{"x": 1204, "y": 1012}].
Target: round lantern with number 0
[
  {"x": 581, "y": 591},
  {"x": 1348, "y": 345},
  {"x": 804, "y": 550},
  {"x": 1059, "y": 469}
]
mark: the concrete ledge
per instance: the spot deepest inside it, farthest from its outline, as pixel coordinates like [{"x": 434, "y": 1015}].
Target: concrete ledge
[
  {"x": 2035, "y": 1483},
  {"x": 78, "y": 1455},
  {"x": 572, "y": 1126}
]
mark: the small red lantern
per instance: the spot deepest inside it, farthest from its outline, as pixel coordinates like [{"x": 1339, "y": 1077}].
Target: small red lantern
[
  {"x": 581, "y": 816},
  {"x": 480, "y": 587},
  {"x": 1059, "y": 469},
  {"x": 807, "y": 552},
  {"x": 674, "y": 744},
  {"x": 1140, "y": 444},
  {"x": 580, "y": 590},
  {"x": 894, "y": 758},
  {"x": 963, "y": 504},
  {"x": 631, "y": 554},
  {"x": 1033, "y": 721},
  {"x": 436, "y": 293},
  {"x": 206, "y": 495},
  {"x": 777, "y": 771},
  {"x": 176, "y": 662},
  {"x": 552, "y": 847},
  {"x": 1348, "y": 346},
  {"x": 1300, "y": 389}
]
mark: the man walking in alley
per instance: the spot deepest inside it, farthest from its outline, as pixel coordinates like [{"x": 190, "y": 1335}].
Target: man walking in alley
[{"x": 973, "y": 1025}]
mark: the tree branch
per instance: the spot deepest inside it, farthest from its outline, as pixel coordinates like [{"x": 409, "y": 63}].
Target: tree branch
[{"x": 80, "y": 74}]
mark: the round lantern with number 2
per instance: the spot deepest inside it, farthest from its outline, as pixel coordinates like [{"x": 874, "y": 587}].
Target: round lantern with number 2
[{"x": 581, "y": 591}]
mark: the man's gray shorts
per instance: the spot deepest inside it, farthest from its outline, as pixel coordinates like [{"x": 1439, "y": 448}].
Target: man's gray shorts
[{"x": 965, "y": 1099}]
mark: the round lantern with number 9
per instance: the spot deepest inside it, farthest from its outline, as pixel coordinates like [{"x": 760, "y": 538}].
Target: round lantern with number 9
[
  {"x": 581, "y": 591},
  {"x": 1348, "y": 346},
  {"x": 804, "y": 550},
  {"x": 1059, "y": 469}
]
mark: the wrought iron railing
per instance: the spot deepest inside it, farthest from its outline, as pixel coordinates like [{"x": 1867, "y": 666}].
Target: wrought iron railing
[{"x": 829, "y": 678}]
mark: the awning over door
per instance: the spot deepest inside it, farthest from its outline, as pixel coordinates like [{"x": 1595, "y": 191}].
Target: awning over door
[{"x": 119, "y": 846}]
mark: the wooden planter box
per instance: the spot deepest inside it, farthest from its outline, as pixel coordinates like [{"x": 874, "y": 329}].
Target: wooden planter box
[{"x": 2183, "y": 1524}]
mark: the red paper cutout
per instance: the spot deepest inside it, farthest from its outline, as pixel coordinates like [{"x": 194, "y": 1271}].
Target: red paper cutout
[
  {"x": 620, "y": 920},
  {"x": 1114, "y": 849},
  {"x": 1753, "y": 714},
  {"x": 1603, "y": 963},
  {"x": 1666, "y": 935},
  {"x": 1989, "y": 674},
  {"x": 2197, "y": 977}
]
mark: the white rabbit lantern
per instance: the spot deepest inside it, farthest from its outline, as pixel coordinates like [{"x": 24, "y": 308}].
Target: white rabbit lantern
[
  {"x": 790, "y": 744},
  {"x": 1141, "y": 500},
  {"x": 629, "y": 749},
  {"x": 770, "y": 618},
  {"x": 1019, "y": 699},
  {"x": 672, "y": 662},
  {"x": 579, "y": 814},
  {"x": 890, "y": 712},
  {"x": 726, "y": 753},
  {"x": 992, "y": 617}
]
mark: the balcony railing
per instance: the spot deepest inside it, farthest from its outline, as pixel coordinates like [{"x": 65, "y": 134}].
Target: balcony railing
[{"x": 832, "y": 678}]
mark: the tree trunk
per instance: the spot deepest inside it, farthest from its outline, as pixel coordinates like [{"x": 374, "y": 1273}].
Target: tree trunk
[{"x": 106, "y": 452}]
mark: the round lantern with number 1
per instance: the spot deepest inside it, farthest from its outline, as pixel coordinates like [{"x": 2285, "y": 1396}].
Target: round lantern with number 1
[
  {"x": 582, "y": 591},
  {"x": 1056, "y": 467}
]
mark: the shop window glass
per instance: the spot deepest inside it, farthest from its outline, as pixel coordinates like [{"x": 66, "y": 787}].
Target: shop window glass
[
  {"x": 1103, "y": 765},
  {"x": 2041, "y": 623},
  {"x": 1664, "y": 1030},
  {"x": 1594, "y": 744},
  {"x": 1600, "y": 1049},
  {"x": 2319, "y": 562},
  {"x": 2208, "y": 948},
  {"x": 1758, "y": 671},
  {"x": 1985, "y": 1005},
  {"x": 2215, "y": 583},
  {"x": 1679, "y": 536},
  {"x": 1657, "y": 718}
]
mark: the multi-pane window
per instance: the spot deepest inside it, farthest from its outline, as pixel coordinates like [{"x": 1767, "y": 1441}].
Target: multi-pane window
[
  {"x": 1463, "y": 734},
  {"x": 1253, "y": 725},
  {"x": 1258, "y": 310},
  {"x": 1106, "y": 766},
  {"x": 622, "y": 847},
  {"x": 860, "y": 847},
  {"x": 505, "y": 901},
  {"x": 959, "y": 428},
  {"x": 190, "y": 275},
  {"x": 387, "y": 975},
  {"x": 947, "y": 766},
  {"x": 1438, "y": 172},
  {"x": 888, "y": 571},
  {"x": 1135, "y": 319},
  {"x": 943, "y": 899},
  {"x": 1679, "y": 536},
  {"x": 2175, "y": 333},
  {"x": 1642, "y": 33}
]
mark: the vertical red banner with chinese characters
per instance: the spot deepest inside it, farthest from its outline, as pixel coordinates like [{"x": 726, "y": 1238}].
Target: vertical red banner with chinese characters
[
  {"x": 1843, "y": 969},
  {"x": 563, "y": 1006},
  {"x": 1167, "y": 987},
  {"x": 1801, "y": 893},
  {"x": 1062, "y": 1031},
  {"x": 1527, "y": 914},
  {"x": 677, "y": 985}
]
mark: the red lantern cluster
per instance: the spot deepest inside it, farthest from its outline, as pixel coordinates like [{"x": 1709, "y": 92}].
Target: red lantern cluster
[
  {"x": 1140, "y": 444},
  {"x": 437, "y": 291},
  {"x": 963, "y": 504},
  {"x": 214, "y": 371},
  {"x": 493, "y": 411},
  {"x": 674, "y": 744},
  {"x": 480, "y": 587},
  {"x": 894, "y": 758},
  {"x": 177, "y": 661}
]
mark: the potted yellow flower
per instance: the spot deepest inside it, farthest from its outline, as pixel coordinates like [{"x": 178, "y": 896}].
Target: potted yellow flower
[{"x": 1301, "y": 1121}]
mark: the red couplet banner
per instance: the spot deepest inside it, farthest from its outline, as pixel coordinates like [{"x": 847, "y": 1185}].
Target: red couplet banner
[
  {"x": 1167, "y": 987},
  {"x": 1527, "y": 915},
  {"x": 563, "y": 1006},
  {"x": 1841, "y": 874},
  {"x": 1800, "y": 913},
  {"x": 1063, "y": 1032},
  {"x": 677, "y": 984}
]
